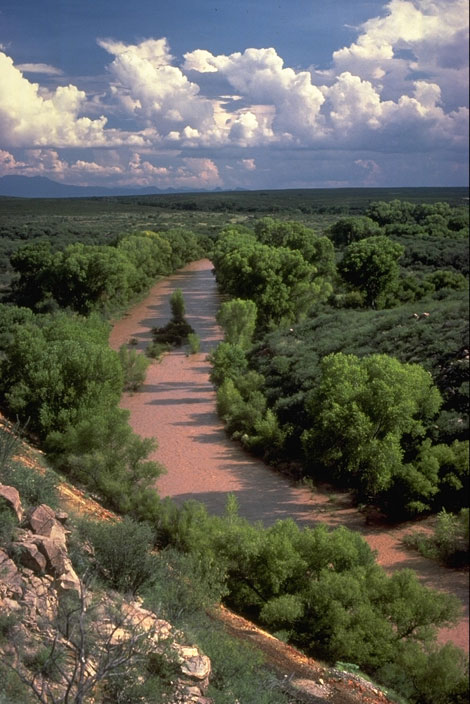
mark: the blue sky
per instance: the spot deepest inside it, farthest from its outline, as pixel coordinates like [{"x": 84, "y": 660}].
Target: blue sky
[{"x": 246, "y": 94}]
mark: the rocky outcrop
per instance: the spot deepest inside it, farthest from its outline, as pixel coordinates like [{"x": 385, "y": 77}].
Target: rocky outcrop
[
  {"x": 12, "y": 498},
  {"x": 36, "y": 572}
]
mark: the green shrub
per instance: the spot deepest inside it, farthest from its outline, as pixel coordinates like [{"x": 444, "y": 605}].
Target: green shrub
[
  {"x": 178, "y": 308},
  {"x": 450, "y": 541},
  {"x": 122, "y": 552},
  {"x": 183, "y": 584},
  {"x": 134, "y": 367},
  {"x": 194, "y": 342},
  {"x": 34, "y": 487},
  {"x": 8, "y": 523},
  {"x": 155, "y": 350}
]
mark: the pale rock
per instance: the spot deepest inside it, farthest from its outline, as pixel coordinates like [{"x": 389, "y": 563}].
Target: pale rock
[{"x": 12, "y": 498}]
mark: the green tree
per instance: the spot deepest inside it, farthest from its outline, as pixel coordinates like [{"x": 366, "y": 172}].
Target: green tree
[
  {"x": 178, "y": 308},
  {"x": 371, "y": 265},
  {"x": 361, "y": 412},
  {"x": 351, "y": 229},
  {"x": 238, "y": 320}
]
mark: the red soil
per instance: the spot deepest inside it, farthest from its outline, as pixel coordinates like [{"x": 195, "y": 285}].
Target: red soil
[{"x": 176, "y": 405}]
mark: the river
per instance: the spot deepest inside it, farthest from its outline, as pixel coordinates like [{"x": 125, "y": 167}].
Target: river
[{"x": 176, "y": 405}]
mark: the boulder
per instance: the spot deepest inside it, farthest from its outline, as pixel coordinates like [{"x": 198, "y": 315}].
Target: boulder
[
  {"x": 197, "y": 667},
  {"x": 12, "y": 498},
  {"x": 31, "y": 557},
  {"x": 43, "y": 522},
  {"x": 10, "y": 579}
]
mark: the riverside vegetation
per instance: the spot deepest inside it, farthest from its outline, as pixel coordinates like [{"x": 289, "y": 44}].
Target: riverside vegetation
[{"x": 306, "y": 379}]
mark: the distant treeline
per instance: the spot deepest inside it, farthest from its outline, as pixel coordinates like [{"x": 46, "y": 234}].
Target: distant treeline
[{"x": 319, "y": 200}]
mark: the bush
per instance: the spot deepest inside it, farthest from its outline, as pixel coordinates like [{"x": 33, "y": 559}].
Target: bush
[
  {"x": 183, "y": 584},
  {"x": 194, "y": 342},
  {"x": 134, "y": 367},
  {"x": 178, "y": 308},
  {"x": 155, "y": 350},
  {"x": 450, "y": 542},
  {"x": 8, "y": 525},
  {"x": 122, "y": 552},
  {"x": 34, "y": 488}
]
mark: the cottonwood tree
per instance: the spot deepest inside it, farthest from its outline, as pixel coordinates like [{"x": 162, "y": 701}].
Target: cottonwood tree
[
  {"x": 361, "y": 412},
  {"x": 371, "y": 265}
]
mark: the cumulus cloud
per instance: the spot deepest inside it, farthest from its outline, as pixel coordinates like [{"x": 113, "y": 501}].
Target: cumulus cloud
[
  {"x": 427, "y": 36},
  {"x": 31, "y": 117},
  {"x": 259, "y": 76},
  {"x": 400, "y": 87},
  {"x": 149, "y": 87}
]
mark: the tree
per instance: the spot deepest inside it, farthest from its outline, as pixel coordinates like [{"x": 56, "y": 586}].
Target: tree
[
  {"x": 238, "y": 319},
  {"x": 177, "y": 305},
  {"x": 371, "y": 265},
  {"x": 361, "y": 411},
  {"x": 348, "y": 230}
]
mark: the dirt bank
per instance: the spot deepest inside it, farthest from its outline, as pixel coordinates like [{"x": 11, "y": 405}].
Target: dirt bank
[{"x": 177, "y": 406}]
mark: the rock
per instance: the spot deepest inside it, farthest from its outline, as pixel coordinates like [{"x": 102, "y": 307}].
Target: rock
[
  {"x": 69, "y": 581},
  {"x": 43, "y": 522},
  {"x": 41, "y": 519},
  {"x": 10, "y": 579},
  {"x": 54, "y": 553},
  {"x": 12, "y": 498},
  {"x": 62, "y": 516},
  {"x": 31, "y": 557},
  {"x": 198, "y": 667}
]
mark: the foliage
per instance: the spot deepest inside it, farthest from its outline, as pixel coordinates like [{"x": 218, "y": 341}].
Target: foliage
[
  {"x": 228, "y": 362},
  {"x": 363, "y": 413},
  {"x": 134, "y": 367},
  {"x": 279, "y": 280},
  {"x": 238, "y": 320},
  {"x": 294, "y": 235},
  {"x": 371, "y": 265},
  {"x": 348, "y": 230},
  {"x": 177, "y": 305},
  {"x": 449, "y": 542},
  {"x": 121, "y": 552},
  {"x": 176, "y": 331},
  {"x": 194, "y": 342},
  {"x": 321, "y": 586}
]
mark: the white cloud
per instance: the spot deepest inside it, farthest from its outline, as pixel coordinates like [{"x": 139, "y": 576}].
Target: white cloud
[
  {"x": 400, "y": 87},
  {"x": 259, "y": 76},
  {"x": 150, "y": 88},
  {"x": 134, "y": 171},
  {"x": 248, "y": 164},
  {"x": 427, "y": 36},
  {"x": 29, "y": 117},
  {"x": 40, "y": 68}
]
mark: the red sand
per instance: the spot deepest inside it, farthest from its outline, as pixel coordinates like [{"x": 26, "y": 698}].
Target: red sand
[{"x": 176, "y": 405}]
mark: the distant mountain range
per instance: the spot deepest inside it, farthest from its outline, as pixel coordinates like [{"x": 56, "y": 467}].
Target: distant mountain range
[{"x": 41, "y": 187}]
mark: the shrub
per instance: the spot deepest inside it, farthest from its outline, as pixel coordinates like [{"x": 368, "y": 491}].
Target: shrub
[
  {"x": 194, "y": 342},
  {"x": 134, "y": 367},
  {"x": 155, "y": 350},
  {"x": 178, "y": 308},
  {"x": 122, "y": 552}
]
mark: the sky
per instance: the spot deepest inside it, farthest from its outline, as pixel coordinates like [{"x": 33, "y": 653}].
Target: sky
[{"x": 251, "y": 94}]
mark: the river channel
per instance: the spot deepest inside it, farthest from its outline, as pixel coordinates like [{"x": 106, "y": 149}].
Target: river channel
[{"x": 176, "y": 405}]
